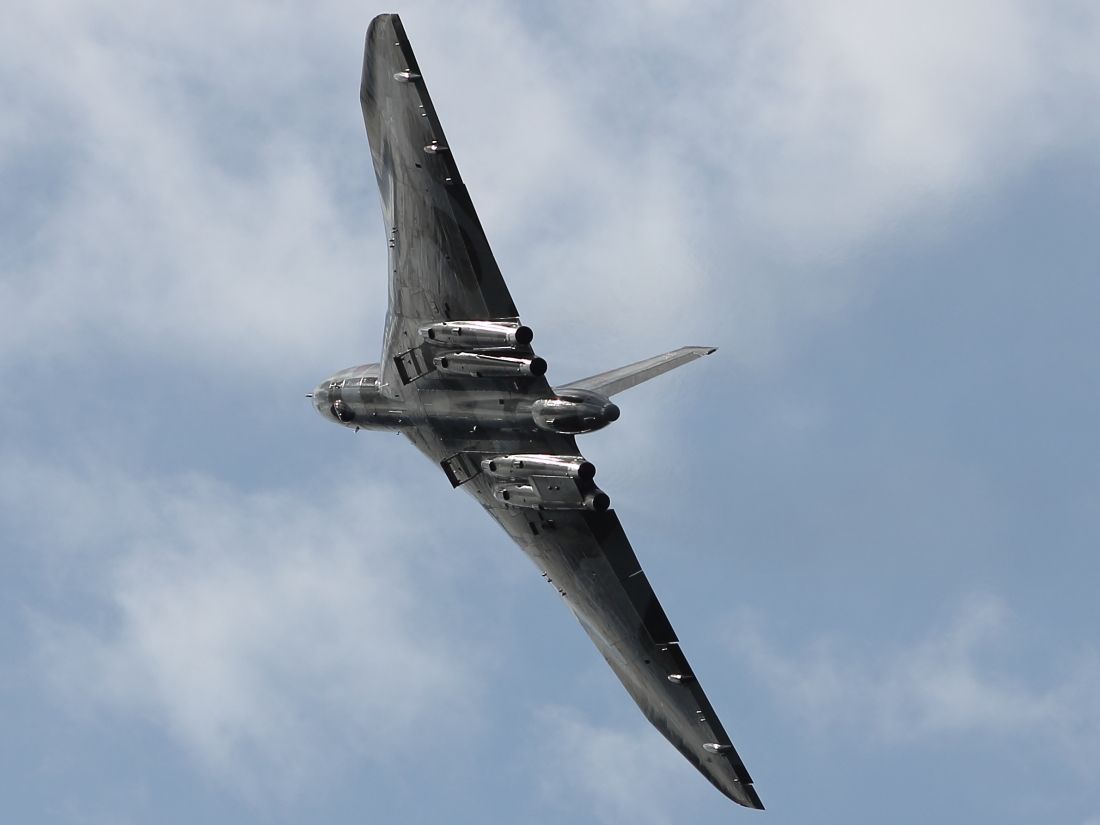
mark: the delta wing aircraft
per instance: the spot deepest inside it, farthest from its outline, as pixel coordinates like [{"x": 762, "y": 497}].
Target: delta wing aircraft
[{"x": 459, "y": 379}]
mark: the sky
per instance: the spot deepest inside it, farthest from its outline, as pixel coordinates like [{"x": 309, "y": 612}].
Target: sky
[{"x": 873, "y": 515}]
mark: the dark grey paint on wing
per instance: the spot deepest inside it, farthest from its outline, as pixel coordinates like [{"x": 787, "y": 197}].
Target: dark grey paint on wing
[
  {"x": 441, "y": 265},
  {"x": 499, "y": 430}
]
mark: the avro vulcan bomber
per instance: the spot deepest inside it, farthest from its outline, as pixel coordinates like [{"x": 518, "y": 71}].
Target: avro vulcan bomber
[{"x": 459, "y": 379}]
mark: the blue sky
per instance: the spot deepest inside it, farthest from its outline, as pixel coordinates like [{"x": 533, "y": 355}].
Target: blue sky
[{"x": 873, "y": 516}]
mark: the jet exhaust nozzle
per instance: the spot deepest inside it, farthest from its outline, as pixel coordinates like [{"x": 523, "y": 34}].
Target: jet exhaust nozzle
[
  {"x": 480, "y": 365},
  {"x": 540, "y": 495},
  {"x": 523, "y": 466},
  {"x": 478, "y": 334}
]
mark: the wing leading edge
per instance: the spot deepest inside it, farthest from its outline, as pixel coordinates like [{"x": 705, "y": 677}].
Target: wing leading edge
[{"x": 440, "y": 264}]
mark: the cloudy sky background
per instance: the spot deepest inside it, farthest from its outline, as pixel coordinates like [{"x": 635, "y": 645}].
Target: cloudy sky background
[{"x": 873, "y": 516}]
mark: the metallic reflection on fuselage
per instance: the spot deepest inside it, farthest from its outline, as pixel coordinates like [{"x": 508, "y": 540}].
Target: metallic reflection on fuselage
[{"x": 356, "y": 398}]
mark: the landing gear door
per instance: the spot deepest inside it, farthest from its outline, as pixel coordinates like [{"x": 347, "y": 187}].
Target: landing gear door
[
  {"x": 412, "y": 364},
  {"x": 461, "y": 467}
]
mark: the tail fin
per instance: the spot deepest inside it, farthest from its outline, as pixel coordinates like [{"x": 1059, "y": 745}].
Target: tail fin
[{"x": 615, "y": 381}]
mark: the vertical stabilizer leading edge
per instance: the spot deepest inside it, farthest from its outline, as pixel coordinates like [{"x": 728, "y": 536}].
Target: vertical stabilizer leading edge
[{"x": 615, "y": 381}]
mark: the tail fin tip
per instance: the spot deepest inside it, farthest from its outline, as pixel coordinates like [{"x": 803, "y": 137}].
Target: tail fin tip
[{"x": 615, "y": 381}]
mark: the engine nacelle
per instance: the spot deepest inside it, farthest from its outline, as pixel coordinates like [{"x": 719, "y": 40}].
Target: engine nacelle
[
  {"x": 478, "y": 334},
  {"x": 480, "y": 365},
  {"x": 523, "y": 466},
  {"x": 574, "y": 411},
  {"x": 529, "y": 495}
]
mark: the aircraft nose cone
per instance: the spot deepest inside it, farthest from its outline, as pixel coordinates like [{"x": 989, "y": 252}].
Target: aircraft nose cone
[
  {"x": 611, "y": 412},
  {"x": 320, "y": 396}
]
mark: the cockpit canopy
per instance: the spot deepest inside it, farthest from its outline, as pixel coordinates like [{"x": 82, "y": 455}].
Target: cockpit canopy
[{"x": 339, "y": 395}]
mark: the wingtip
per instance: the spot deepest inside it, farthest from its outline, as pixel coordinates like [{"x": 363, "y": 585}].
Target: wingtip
[
  {"x": 745, "y": 796},
  {"x": 755, "y": 797},
  {"x": 696, "y": 351}
]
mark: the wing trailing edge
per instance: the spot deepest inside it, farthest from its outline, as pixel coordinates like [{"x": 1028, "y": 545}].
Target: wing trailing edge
[{"x": 615, "y": 381}]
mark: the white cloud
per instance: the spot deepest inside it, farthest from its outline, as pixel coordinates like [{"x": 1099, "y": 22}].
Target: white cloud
[
  {"x": 212, "y": 197},
  {"x": 945, "y": 684},
  {"x": 609, "y": 774},
  {"x": 275, "y": 640},
  {"x": 194, "y": 209},
  {"x": 755, "y": 150}
]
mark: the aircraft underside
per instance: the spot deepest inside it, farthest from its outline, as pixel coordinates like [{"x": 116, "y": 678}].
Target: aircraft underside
[{"x": 460, "y": 379}]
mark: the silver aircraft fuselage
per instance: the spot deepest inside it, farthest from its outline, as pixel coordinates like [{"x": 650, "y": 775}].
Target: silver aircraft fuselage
[{"x": 355, "y": 398}]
